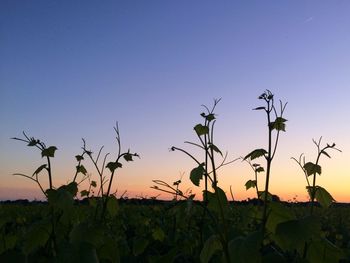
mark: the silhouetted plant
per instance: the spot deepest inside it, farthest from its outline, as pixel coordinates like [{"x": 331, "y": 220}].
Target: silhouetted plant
[
  {"x": 313, "y": 169},
  {"x": 275, "y": 122}
]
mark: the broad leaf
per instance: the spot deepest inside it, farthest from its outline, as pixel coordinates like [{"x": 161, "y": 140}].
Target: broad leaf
[
  {"x": 128, "y": 157},
  {"x": 312, "y": 168},
  {"x": 158, "y": 234},
  {"x": 250, "y": 184},
  {"x": 323, "y": 197},
  {"x": 211, "y": 246},
  {"x": 256, "y": 154},
  {"x": 81, "y": 169},
  {"x": 279, "y": 124},
  {"x": 201, "y": 130},
  {"x": 49, "y": 152},
  {"x": 246, "y": 249},
  {"x": 79, "y": 158},
  {"x": 197, "y": 174},
  {"x": 112, "y": 205},
  {"x": 139, "y": 245},
  {"x": 113, "y": 165}
]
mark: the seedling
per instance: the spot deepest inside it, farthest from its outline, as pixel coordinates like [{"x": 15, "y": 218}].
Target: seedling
[
  {"x": 275, "y": 122},
  {"x": 313, "y": 169}
]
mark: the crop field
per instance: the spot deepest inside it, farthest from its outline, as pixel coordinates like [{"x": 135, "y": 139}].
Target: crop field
[{"x": 102, "y": 228}]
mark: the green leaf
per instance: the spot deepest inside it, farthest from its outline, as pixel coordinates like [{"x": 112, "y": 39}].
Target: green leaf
[
  {"x": 139, "y": 245},
  {"x": 216, "y": 199},
  {"x": 250, "y": 184},
  {"x": 112, "y": 205},
  {"x": 128, "y": 157},
  {"x": 197, "y": 174},
  {"x": 312, "y": 168},
  {"x": 324, "y": 251},
  {"x": 279, "y": 124},
  {"x": 113, "y": 165},
  {"x": 256, "y": 154},
  {"x": 201, "y": 130},
  {"x": 262, "y": 196},
  {"x": 246, "y": 249},
  {"x": 79, "y": 158},
  {"x": 158, "y": 234},
  {"x": 49, "y": 152},
  {"x": 84, "y": 193},
  {"x": 323, "y": 197},
  {"x": 211, "y": 246},
  {"x": 81, "y": 169},
  {"x": 93, "y": 183},
  {"x": 39, "y": 169},
  {"x": 215, "y": 148},
  {"x": 278, "y": 213},
  {"x": 293, "y": 234},
  {"x": 259, "y": 169},
  {"x": 36, "y": 237}
]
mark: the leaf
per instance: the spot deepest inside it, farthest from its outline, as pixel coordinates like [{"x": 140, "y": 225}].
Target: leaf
[
  {"x": 260, "y": 108},
  {"x": 246, "y": 249},
  {"x": 293, "y": 234},
  {"x": 216, "y": 200},
  {"x": 259, "y": 169},
  {"x": 201, "y": 130},
  {"x": 49, "y": 152},
  {"x": 278, "y": 213},
  {"x": 79, "y": 158},
  {"x": 210, "y": 117},
  {"x": 323, "y": 197},
  {"x": 256, "y": 154},
  {"x": 312, "y": 168},
  {"x": 250, "y": 184},
  {"x": 197, "y": 174},
  {"x": 84, "y": 193},
  {"x": 36, "y": 237},
  {"x": 158, "y": 234},
  {"x": 211, "y": 246},
  {"x": 262, "y": 196},
  {"x": 325, "y": 153},
  {"x": 279, "y": 124},
  {"x": 81, "y": 169},
  {"x": 39, "y": 169},
  {"x": 215, "y": 148},
  {"x": 113, "y": 165},
  {"x": 324, "y": 251},
  {"x": 128, "y": 157},
  {"x": 93, "y": 183},
  {"x": 112, "y": 205},
  {"x": 139, "y": 245}
]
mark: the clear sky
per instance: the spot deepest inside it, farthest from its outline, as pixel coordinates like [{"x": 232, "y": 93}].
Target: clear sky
[{"x": 71, "y": 69}]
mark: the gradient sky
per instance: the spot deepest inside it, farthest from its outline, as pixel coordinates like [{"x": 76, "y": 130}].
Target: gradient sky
[{"x": 71, "y": 69}]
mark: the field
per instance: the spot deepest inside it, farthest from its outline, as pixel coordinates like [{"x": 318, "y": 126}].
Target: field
[
  {"x": 102, "y": 228},
  {"x": 178, "y": 231}
]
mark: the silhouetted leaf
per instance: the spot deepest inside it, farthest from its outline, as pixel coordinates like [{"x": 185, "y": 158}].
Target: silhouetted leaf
[
  {"x": 215, "y": 148},
  {"x": 84, "y": 193},
  {"x": 49, "y": 152},
  {"x": 113, "y": 165},
  {"x": 312, "y": 168},
  {"x": 93, "y": 183},
  {"x": 39, "y": 169},
  {"x": 201, "y": 130},
  {"x": 81, "y": 169},
  {"x": 79, "y": 158},
  {"x": 112, "y": 205},
  {"x": 279, "y": 124},
  {"x": 250, "y": 184},
  {"x": 256, "y": 154},
  {"x": 128, "y": 157},
  {"x": 158, "y": 234},
  {"x": 139, "y": 245},
  {"x": 325, "y": 153},
  {"x": 197, "y": 174},
  {"x": 259, "y": 169},
  {"x": 260, "y": 108}
]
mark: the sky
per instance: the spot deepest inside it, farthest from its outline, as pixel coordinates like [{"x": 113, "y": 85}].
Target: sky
[{"x": 71, "y": 69}]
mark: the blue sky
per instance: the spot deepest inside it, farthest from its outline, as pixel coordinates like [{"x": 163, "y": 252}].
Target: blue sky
[{"x": 71, "y": 69}]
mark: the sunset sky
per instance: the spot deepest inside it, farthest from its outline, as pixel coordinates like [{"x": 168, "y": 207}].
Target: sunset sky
[{"x": 71, "y": 69}]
